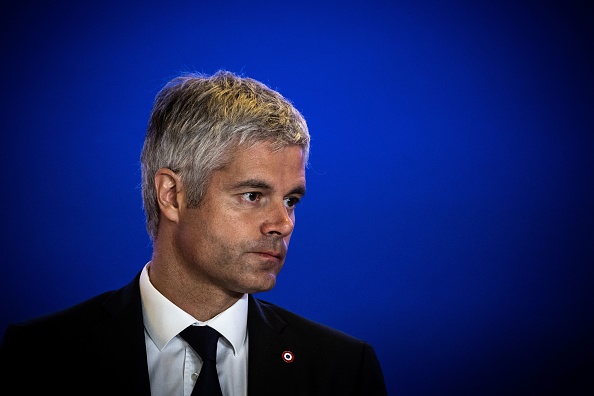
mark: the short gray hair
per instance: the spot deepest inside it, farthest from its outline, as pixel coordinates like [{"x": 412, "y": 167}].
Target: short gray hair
[{"x": 197, "y": 120}]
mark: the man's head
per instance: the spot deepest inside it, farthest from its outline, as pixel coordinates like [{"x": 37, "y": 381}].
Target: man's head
[{"x": 198, "y": 121}]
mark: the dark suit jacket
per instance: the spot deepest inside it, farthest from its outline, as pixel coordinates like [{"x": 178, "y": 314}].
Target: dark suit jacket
[{"x": 97, "y": 347}]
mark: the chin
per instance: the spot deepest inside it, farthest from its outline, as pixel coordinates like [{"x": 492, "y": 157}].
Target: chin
[{"x": 261, "y": 285}]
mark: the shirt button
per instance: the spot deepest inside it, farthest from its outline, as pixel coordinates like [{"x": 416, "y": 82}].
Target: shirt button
[{"x": 194, "y": 376}]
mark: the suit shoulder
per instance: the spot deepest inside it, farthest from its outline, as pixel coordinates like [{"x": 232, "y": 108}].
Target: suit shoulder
[
  {"x": 316, "y": 330},
  {"x": 85, "y": 313},
  {"x": 79, "y": 314}
]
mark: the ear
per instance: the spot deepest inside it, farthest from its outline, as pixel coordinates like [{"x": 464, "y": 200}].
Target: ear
[{"x": 168, "y": 187}]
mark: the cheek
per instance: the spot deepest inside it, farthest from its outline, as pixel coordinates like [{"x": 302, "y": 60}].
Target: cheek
[{"x": 196, "y": 233}]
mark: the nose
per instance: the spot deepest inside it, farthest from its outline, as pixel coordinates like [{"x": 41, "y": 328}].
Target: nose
[{"x": 278, "y": 221}]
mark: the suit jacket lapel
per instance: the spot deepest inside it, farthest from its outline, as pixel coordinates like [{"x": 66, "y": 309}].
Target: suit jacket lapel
[{"x": 268, "y": 372}]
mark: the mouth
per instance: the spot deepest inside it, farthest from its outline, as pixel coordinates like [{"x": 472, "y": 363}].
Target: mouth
[{"x": 270, "y": 254}]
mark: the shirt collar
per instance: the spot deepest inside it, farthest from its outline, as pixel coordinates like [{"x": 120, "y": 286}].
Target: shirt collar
[{"x": 164, "y": 320}]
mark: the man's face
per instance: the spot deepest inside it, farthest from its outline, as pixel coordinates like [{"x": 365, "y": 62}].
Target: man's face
[{"x": 237, "y": 239}]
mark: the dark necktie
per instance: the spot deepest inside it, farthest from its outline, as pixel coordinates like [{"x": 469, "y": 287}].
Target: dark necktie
[{"x": 203, "y": 340}]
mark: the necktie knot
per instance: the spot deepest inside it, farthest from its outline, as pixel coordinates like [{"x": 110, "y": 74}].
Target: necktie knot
[{"x": 203, "y": 339}]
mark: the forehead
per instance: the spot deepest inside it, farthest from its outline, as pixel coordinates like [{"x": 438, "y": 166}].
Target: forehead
[{"x": 262, "y": 161}]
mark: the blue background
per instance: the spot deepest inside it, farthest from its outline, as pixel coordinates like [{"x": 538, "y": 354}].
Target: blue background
[{"x": 449, "y": 219}]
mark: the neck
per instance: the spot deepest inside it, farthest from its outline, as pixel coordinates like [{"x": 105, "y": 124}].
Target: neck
[{"x": 188, "y": 291}]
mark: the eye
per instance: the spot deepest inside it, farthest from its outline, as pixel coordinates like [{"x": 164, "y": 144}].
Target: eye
[
  {"x": 290, "y": 202},
  {"x": 251, "y": 196}
]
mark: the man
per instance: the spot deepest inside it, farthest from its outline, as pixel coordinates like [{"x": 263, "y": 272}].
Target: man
[{"x": 223, "y": 167}]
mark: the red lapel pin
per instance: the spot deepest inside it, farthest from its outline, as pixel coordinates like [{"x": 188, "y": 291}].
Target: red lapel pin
[{"x": 288, "y": 357}]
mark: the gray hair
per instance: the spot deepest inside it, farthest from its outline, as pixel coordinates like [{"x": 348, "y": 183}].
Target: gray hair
[{"x": 197, "y": 120}]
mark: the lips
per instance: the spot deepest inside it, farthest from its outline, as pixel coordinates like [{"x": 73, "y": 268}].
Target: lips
[
  {"x": 275, "y": 254},
  {"x": 272, "y": 249}
]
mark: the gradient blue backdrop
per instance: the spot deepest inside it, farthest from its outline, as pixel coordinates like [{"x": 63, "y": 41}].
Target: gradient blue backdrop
[{"x": 450, "y": 211}]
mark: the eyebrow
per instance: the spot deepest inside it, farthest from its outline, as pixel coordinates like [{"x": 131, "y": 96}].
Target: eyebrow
[{"x": 261, "y": 184}]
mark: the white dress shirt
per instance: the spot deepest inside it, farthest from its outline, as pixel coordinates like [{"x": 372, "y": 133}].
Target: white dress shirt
[{"x": 173, "y": 365}]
